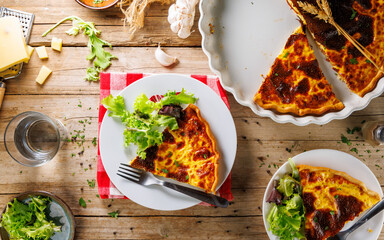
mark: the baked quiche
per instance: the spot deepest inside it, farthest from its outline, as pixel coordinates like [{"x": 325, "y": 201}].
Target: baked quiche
[
  {"x": 188, "y": 154},
  {"x": 364, "y": 21},
  {"x": 331, "y": 198},
  {"x": 295, "y": 83}
]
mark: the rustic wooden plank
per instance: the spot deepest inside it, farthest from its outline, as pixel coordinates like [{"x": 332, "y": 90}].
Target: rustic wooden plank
[
  {"x": 69, "y": 68},
  {"x": 172, "y": 228},
  {"x": 109, "y": 22},
  {"x": 249, "y": 128}
]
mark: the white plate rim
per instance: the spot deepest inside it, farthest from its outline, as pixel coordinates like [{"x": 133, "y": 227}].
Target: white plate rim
[
  {"x": 304, "y": 157},
  {"x": 228, "y": 154},
  {"x": 220, "y": 70}
]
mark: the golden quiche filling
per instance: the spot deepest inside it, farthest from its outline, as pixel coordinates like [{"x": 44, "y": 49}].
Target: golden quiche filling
[
  {"x": 295, "y": 83},
  {"x": 187, "y": 154},
  {"x": 331, "y": 198},
  {"x": 364, "y": 21}
]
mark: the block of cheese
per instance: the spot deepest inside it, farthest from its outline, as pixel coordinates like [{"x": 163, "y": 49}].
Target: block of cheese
[
  {"x": 43, "y": 74},
  {"x": 42, "y": 52},
  {"x": 13, "y": 49},
  {"x": 56, "y": 44},
  {"x": 30, "y": 51}
]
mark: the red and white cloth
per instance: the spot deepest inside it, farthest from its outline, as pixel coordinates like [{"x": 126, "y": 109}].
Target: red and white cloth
[{"x": 113, "y": 83}]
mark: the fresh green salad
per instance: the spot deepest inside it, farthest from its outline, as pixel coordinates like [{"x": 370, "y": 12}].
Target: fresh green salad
[
  {"x": 286, "y": 217},
  {"x": 28, "y": 221},
  {"x": 144, "y": 125}
]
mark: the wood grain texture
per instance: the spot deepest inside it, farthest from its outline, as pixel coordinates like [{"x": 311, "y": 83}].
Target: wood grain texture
[{"x": 263, "y": 145}]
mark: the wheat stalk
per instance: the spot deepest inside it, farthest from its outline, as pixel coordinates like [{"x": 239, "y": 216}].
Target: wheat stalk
[
  {"x": 324, "y": 13},
  {"x": 134, "y": 12}
]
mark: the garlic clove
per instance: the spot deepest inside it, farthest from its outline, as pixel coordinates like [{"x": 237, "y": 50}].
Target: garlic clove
[{"x": 163, "y": 58}]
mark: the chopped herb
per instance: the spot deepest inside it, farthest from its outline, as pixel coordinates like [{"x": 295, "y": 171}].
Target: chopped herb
[
  {"x": 91, "y": 183},
  {"x": 97, "y": 195},
  {"x": 353, "y": 61},
  {"x": 205, "y": 156},
  {"x": 354, "y": 150},
  {"x": 315, "y": 219},
  {"x": 326, "y": 228},
  {"x": 345, "y": 140},
  {"x": 332, "y": 212},
  {"x": 73, "y": 155},
  {"x": 336, "y": 196},
  {"x": 177, "y": 164},
  {"x": 73, "y": 174},
  {"x": 343, "y": 47},
  {"x": 367, "y": 61},
  {"x": 353, "y": 14},
  {"x": 89, "y": 200},
  {"x": 186, "y": 177},
  {"x": 368, "y": 151},
  {"x": 286, "y": 55},
  {"x": 353, "y": 130},
  {"x": 82, "y": 203},
  {"x": 114, "y": 214},
  {"x": 276, "y": 74},
  {"x": 21, "y": 172},
  {"x": 169, "y": 154},
  {"x": 85, "y": 169},
  {"x": 164, "y": 170}
]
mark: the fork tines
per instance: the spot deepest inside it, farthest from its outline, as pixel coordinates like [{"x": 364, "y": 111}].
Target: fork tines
[{"x": 128, "y": 172}]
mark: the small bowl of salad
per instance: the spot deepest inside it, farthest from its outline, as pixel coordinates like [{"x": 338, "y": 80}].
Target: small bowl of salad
[
  {"x": 37, "y": 215},
  {"x": 97, "y": 4}
]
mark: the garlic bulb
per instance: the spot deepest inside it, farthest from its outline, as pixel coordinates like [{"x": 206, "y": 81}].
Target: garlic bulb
[
  {"x": 163, "y": 58},
  {"x": 181, "y": 16}
]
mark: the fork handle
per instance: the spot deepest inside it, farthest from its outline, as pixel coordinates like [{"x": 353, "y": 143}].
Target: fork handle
[{"x": 205, "y": 197}]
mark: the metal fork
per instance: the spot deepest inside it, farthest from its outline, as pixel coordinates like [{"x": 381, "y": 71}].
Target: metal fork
[
  {"x": 146, "y": 178},
  {"x": 377, "y": 208}
]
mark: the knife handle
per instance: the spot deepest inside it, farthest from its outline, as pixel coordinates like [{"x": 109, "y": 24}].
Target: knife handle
[
  {"x": 203, "y": 196},
  {"x": 2, "y": 92}
]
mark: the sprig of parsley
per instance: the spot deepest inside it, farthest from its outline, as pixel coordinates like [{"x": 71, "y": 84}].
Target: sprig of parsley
[{"x": 101, "y": 58}]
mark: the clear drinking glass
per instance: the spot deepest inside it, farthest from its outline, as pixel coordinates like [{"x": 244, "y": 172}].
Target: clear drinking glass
[{"x": 33, "y": 138}]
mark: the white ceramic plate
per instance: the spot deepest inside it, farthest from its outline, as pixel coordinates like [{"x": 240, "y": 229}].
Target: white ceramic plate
[
  {"x": 113, "y": 152},
  {"x": 247, "y": 37},
  {"x": 339, "y": 161}
]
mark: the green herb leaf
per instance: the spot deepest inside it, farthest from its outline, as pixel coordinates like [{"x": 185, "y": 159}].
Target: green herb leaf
[
  {"x": 353, "y": 14},
  {"x": 164, "y": 170},
  {"x": 354, "y": 150},
  {"x": 114, "y": 214},
  {"x": 91, "y": 183},
  {"x": 177, "y": 164},
  {"x": 286, "y": 55},
  {"x": 82, "y": 203},
  {"x": 332, "y": 213},
  {"x": 187, "y": 177},
  {"x": 345, "y": 140},
  {"x": 353, "y": 61}
]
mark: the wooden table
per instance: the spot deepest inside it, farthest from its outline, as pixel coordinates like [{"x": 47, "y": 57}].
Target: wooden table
[{"x": 263, "y": 145}]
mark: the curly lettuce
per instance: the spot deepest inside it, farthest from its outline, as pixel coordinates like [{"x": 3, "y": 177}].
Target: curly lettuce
[{"x": 28, "y": 221}]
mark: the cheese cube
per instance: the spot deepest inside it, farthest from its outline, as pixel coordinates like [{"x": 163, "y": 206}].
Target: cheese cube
[
  {"x": 43, "y": 74},
  {"x": 12, "y": 44},
  {"x": 30, "y": 51},
  {"x": 42, "y": 52},
  {"x": 56, "y": 44}
]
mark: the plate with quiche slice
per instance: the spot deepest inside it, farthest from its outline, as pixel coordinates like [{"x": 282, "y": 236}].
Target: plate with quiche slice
[
  {"x": 285, "y": 60},
  {"x": 330, "y": 191},
  {"x": 173, "y": 126}
]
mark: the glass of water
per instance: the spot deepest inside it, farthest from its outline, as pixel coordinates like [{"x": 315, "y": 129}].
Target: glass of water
[{"x": 33, "y": 138}]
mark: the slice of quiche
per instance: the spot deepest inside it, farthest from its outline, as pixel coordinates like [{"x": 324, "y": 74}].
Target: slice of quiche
[
  {"x": 331, "y": 198},
  {"x": 295, "y": 83},
  {"x": 188, "y": 154},
  {"x": 364, "y": 21}
]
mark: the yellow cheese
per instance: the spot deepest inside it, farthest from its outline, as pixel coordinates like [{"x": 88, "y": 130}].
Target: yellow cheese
[
  {"x": 30, "y": 51},
  {"x": 12, "y": 44},
  {"x": 42, "y": 52},
  {"x": 43, "y": 74},
  {"x": 56, "y": 44}
]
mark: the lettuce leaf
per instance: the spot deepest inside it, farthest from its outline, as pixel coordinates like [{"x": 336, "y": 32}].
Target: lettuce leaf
[
  {"x": 23, "y": 221},
  {"x": 144, "y": 125}
]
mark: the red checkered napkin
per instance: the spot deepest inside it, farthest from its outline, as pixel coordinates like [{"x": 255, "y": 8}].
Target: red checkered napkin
[{"x": 113, "y": 83}]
